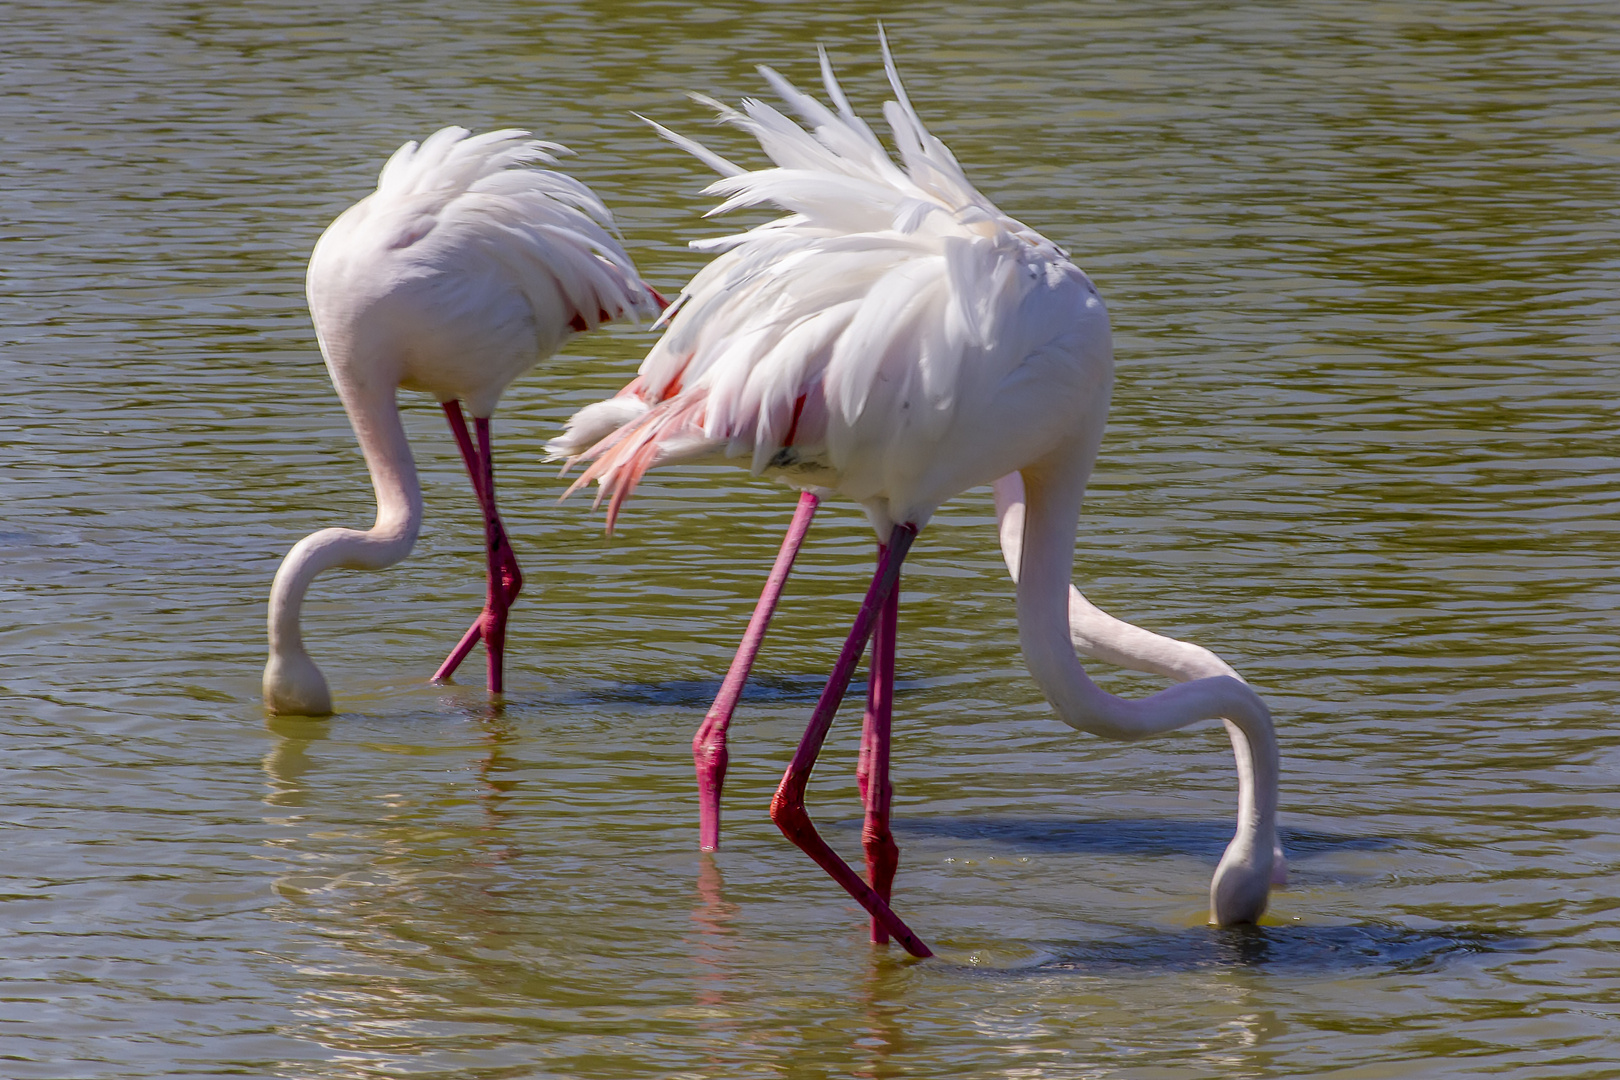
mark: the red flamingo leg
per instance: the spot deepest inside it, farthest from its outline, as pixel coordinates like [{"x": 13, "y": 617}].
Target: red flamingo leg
[
  {"x": 505, "y": 579},
  {"x": 882, "y": 853},
  {"x": 787, "y": 808},
  {"x": 475, "y": 472},
  {"x": 709, "y": 743},
  {"x": 863, "y": 762},
  {"x": 473, "y": 636}
]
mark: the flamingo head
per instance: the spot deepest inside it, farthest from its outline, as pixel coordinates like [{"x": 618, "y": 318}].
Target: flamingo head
[
  {"x": 1241, "y": 887},
  {"x": 294, "y": 686}
]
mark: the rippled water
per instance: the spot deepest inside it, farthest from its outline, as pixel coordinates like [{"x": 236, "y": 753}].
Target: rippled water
[{"x": 1361, "y": 264}]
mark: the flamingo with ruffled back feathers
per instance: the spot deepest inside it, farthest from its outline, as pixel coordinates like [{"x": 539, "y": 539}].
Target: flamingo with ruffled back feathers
[
  {"x": 897, "y": 339},
  {"x": 466, "y": 267}
]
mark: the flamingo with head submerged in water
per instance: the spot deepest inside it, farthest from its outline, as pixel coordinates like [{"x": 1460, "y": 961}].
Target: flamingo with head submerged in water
[
  {"x": 897, "y": 339},
  {"x": 465, "y": 268}
]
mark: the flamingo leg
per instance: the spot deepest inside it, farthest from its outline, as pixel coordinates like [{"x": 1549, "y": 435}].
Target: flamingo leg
[
  {"x": 863, "y": 763},
  {"x": 709, "y": 743},
  {"x": 882, "y": 853},
  {"x": 787, "y": 808},
  {"x": 475, "y": 473},
  {"x": 505, "y": 579}
]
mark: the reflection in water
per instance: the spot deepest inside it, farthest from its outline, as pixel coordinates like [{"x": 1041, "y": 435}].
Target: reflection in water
[
  {"x": 498, "y": 782},
  {"x": 1359, "y": 261},
  {"x": 716, "y": 953},
  {"x": 881, "y": 1037},
  {"x": 712, "y": 916},
  {"x": 288, "y": 760}
]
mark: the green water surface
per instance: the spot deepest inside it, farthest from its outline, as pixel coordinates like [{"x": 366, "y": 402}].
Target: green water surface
[{"x": 1361, "y": 259}]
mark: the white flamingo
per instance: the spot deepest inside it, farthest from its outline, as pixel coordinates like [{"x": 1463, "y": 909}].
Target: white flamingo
[
  {"x": 897, "y": 339},
  {"x": 465, "y": 268}
]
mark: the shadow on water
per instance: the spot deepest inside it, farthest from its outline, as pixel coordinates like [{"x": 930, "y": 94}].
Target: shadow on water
[
  {"x": 700, "y": 693},
  {"x": 697, "y": 693},
  {"x": 1296, "y": 949},
  {"x": 1116, "y": 836},
  {"x": 1281, "y": 950}
]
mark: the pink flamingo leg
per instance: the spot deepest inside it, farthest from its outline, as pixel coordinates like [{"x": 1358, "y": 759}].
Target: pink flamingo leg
[
  {"x": 709, "y": 743},
  {"x": 882, "y": 853},
  {"x": 787, "y": 808},
  {"x": 863, "y": 763},
  {"x": 505, "y": 579},
  {"x": 475, "y": 473}
]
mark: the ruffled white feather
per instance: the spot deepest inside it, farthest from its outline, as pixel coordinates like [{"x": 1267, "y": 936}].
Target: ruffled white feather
[
  {"x": 471, "y": 262},
  {"x": 888, "y": 291}
]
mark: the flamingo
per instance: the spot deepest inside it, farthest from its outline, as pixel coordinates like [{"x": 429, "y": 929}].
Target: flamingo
[
  {"x": 897, "y": 339},
  {"x": 466, "y": 267}
]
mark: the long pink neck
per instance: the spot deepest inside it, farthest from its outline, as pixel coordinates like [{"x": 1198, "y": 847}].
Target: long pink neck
[
  {"x": 1050, "y": 627},
  {"x": 381, "y": 435},
  {"x": 1093, "y": 631}
]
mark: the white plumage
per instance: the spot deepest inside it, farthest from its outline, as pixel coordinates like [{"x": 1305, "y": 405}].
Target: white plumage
[
  {"x": 836, "y": 345},
  {"x": 466, "y": 267},
  {"x": 897, "y": 339}
]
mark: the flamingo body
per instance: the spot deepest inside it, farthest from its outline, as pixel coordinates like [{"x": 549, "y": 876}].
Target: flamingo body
[
  {"x": 897, "y": 339},
  {"x": 465, "y": 268}
]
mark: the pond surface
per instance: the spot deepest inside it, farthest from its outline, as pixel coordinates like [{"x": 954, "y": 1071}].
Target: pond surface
[{"x": 1361, "y": 263}]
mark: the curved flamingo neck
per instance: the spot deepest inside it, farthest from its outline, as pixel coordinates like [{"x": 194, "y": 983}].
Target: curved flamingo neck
[
  {"x": 1093, "y": 631},
  {"x": 292, "y": 682},
  {"x": 1051, "y": 625}
]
